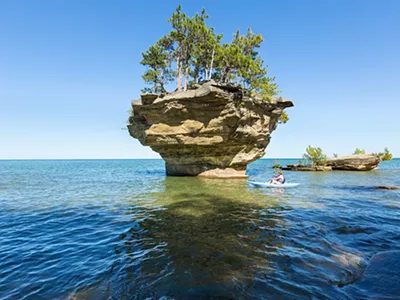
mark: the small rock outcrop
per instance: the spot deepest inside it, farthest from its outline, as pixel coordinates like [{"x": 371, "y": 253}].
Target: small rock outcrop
[
  {"x": 307, "y": 168},
  {"x": 359, "y": 162},
  {"x": 213, "y": 130}
]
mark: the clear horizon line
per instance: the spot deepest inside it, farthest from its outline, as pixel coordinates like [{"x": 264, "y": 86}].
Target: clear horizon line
[{"x": 135, "y": 158}]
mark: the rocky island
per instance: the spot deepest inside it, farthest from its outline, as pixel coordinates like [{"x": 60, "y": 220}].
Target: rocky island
[
  {"x": 212, "y": 130},
  {"x": 355, "y": 162},
  {"x": 224, "y": 108}
]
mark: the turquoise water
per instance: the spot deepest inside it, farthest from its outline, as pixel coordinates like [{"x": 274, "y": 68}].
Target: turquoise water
[{"x": 96, "y": 229}]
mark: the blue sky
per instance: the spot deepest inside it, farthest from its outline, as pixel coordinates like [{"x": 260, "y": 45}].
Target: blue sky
[{"x": 69, "y": 69}]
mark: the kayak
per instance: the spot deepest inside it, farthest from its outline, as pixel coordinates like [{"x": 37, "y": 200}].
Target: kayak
[{"x": 271, "y": 185}]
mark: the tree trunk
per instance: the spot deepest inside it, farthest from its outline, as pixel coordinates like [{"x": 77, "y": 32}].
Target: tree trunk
[
  {"x": 186, "y": 78},
  {"x": 179, "y": 75},
  {"x": 223, "y": 74},
  {"x": 196, "y": 74},
  {"x": 162, "y": 79},
  {"x": 211, "y": 65},
  {"x": 226, "y": 75}
]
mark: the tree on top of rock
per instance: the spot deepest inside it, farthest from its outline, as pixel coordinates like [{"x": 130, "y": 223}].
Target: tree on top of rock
[
  {"x": 386, "y": 155},
  {"x": 359, "y": 151},
  {"x": 203, "y": 55},
  {"x": 315, "y": 156},
  {"x": 195, "y": 51},
  {"x": 158, "y": 65}
]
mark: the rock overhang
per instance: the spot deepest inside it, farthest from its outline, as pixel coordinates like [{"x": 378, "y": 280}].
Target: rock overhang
[{"x": 211, "y": 127}]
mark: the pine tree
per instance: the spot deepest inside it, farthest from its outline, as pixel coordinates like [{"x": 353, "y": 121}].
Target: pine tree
[
  {"x": 158, "y": 65},
  {"x": 177, "y": 37},
  {"x": 195, "y": 51},
  {"x": 203, "y": 55}
]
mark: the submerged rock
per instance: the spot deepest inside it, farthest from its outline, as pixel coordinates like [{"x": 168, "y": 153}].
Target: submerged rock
[
  {"x": 277, "y": 166},
  {"x": 382, "y": 276},
  {"x": 385, "y": 187},
  {"x": 359, "y": 162},
  {"x": 353, "y": 265},
  {"x": 213, "y": 130}
]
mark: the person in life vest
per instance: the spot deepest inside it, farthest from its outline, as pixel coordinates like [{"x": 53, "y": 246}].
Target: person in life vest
[{"x": 280, "y": 179}]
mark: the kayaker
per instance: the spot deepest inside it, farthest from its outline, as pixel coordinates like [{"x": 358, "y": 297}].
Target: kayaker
[{"x": 280, "y": 179}]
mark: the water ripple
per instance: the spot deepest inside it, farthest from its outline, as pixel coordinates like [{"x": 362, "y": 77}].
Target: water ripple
[{"x": 120, "y": 229}]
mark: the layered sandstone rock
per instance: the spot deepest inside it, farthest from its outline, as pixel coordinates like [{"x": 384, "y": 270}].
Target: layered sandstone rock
[
  {"x": 213, "y": 130},
  {"x": 359, "y": 162}
]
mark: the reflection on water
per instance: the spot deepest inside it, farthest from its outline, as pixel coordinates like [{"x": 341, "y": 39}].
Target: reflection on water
[
  {"x": 204, "y": 235},
  {"x": 121, "y": 230},
  {"x": 212, "y": 235}
]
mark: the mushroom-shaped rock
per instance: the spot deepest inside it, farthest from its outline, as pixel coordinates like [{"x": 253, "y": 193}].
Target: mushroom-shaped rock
[{"x": 213, "y": 130}]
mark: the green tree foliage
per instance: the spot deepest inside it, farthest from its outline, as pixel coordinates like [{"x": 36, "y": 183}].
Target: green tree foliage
[
  {"x": 335, "y": 155},
  {"x": 283, "y": 118},
  {"x": 315, "y": 156},
  {"x": 250, "y": 70},
  {"x": 385, "y": 155},
  {"x": 359, "y": 151},
  {"x": 195, "y": 51},
  {"x": 203, "y": 56},
  {"x": 158, "y": 66}
]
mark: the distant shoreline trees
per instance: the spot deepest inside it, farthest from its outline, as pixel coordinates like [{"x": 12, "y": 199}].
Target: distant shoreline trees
[{"x": 192, "y": 52}]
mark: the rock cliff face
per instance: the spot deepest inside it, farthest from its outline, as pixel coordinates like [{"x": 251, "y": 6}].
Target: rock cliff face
[{"x": 213, "y": 130}]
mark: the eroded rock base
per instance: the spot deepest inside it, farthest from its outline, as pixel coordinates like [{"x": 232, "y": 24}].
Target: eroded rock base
[
  {"x": 224, "y": 173},
  {"x": 204, "y": 171}
]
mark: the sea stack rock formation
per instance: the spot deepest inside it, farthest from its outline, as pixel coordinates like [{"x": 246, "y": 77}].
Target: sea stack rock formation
[{"x": 212, "y": 130}]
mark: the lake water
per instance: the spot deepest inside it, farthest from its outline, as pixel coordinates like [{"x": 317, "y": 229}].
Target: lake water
[{"x": 120, "y": 229}]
